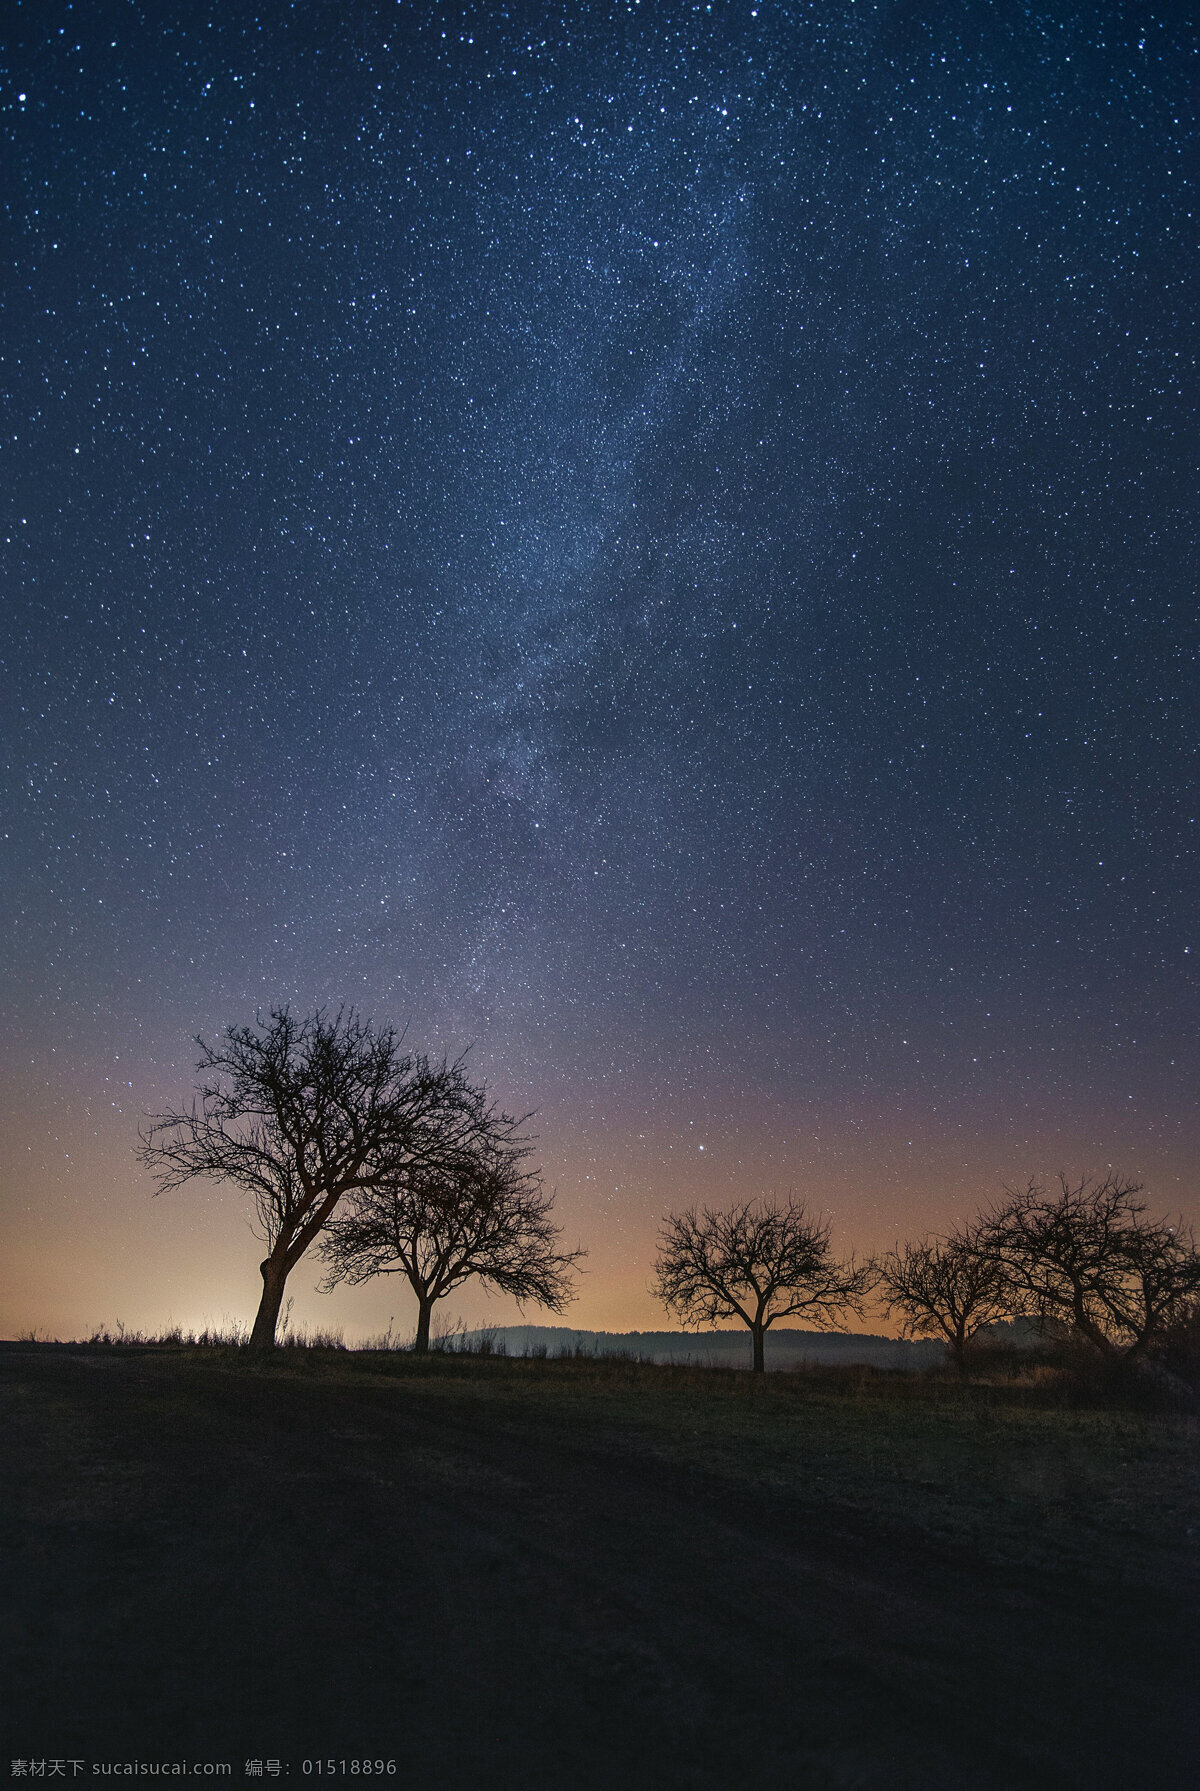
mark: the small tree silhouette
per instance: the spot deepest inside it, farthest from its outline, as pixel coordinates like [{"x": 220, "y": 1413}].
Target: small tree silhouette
[
  {"x": 301, "y": 1112},
  {"x": 474, "y": 1212},
  {"x": 761, "y": 1261},
  {"x": 944, "y": 1287}
]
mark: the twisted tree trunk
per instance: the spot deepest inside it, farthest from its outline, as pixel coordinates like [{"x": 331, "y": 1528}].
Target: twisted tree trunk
[{"x": 274, "y": 1272}]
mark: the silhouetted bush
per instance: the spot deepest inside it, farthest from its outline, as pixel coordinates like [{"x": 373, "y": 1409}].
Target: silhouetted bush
[{"x": 1178, "y": 1351}]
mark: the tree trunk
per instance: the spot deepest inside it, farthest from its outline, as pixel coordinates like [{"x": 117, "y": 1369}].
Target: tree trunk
[
  {"x": 758, "y": 1333},
  {"x": 421, "y": 1340},
  {"x": 1092, "y": 1332},
  {"x": 274, "y": 1276}
]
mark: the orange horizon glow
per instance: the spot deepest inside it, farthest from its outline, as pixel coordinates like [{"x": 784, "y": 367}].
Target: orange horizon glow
[{"x": 90, "y": 1245}]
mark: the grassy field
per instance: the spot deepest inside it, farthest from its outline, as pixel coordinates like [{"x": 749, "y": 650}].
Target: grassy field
[{"x": 532, "y": 1575}]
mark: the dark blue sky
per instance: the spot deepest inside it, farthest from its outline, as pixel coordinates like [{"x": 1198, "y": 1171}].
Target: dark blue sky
[{"x": 656, "y": 539}]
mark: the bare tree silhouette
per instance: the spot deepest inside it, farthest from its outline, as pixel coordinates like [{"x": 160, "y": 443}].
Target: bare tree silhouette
[
  {"x": 944, "y": 1287},
  {"x": 474, "y": 1212},
  {"x": 761, "y": 1261},
  {"x": 1089, "y": 1257},
  {"x": 301, "y": 1112}
]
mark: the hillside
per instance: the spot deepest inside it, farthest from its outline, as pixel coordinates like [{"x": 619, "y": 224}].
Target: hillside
[
  {"x": 584, "y": 1574},
  {"x": 786, "y": 1348}
]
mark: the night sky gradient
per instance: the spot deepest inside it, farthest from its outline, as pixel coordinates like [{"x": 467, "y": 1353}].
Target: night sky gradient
[{"x": 654, "y": 541}]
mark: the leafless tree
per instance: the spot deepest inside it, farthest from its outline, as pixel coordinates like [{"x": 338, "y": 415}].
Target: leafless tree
[
  {"x": 478, "y": 1211},
  {"x": 1089, "y": 1256},
  {"x": 301, "y": 1112},
  {"x": 944, "y": 1286},
  {"x": 761, "y": 1261}
]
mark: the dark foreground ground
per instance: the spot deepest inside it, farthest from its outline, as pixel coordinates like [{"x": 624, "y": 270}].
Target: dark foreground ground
[{"x": 544, "y": 1576}]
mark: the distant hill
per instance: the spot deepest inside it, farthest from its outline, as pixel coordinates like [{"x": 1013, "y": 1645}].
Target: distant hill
[{"x": 718, "y": 1349}]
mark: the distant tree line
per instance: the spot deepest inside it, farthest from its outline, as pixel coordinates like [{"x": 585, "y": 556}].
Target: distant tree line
[
  {"x": 1083, "y": 1260},
  {"x": 389, "y": 1162}
]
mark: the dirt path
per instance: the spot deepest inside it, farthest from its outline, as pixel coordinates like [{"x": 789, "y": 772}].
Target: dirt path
[{"x": 225, "y": 1566}]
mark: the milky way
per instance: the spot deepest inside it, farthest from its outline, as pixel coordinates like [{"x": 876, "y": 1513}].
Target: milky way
[{"x": 655, "y": 541}]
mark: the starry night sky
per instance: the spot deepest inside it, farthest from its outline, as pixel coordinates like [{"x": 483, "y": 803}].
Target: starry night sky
[{"x": 654, "y": 541}]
